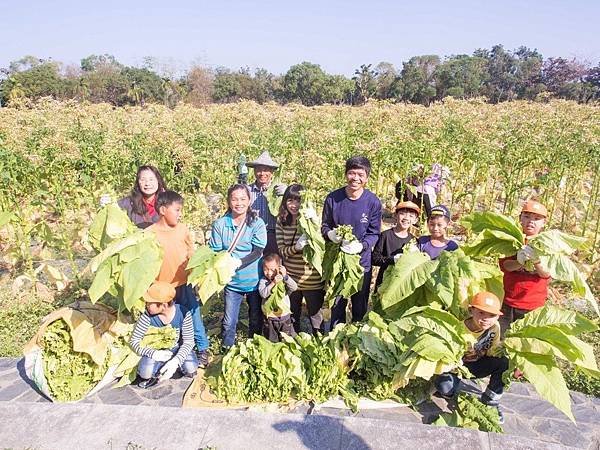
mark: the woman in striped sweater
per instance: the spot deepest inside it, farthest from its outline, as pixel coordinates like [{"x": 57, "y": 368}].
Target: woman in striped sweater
[{"x": 290, "y": 244}]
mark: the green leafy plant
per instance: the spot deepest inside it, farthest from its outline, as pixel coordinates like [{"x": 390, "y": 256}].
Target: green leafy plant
[
  {"x": 534, "y": 343},
  {"x": 314, "y": 251},
  {"x": 471, "y": 413},
  {"x": 109, "y": 224},
  {"x": 211, "y": 271},
  {"x": 275, "y": 304}
]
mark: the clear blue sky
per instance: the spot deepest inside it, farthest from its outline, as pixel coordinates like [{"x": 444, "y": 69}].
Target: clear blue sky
[{"x": 338, "y": 35}]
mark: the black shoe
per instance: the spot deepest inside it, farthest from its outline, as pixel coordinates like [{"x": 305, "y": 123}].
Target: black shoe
[
  {"x": 486, "y": 400},
  {"x": 202, "y": 356}
]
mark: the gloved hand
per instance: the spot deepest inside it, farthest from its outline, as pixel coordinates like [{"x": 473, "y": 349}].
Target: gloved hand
[
  {"x": 162, "y": 355},
  {"x": 310, "y": 214},
  {"x": 237, "y": 262},
  {"x": 397, "y": 257},
  {"x": 279, "y": 189},
  {"x": 351, "y": 247},
  {"x": 301, "y": 243},
  {"x": 105, "y": 200},
  {"x": 446, "y": 173},
  {"x": 333, "y": 237},
  {"x": 527, "y": 253},
  {"x": 168, "y": 370}
]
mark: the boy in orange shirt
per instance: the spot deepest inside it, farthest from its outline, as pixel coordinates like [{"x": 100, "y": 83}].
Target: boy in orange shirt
[
  {"x": 524, "y": 291},
  {"x": 176, "y": 241}
]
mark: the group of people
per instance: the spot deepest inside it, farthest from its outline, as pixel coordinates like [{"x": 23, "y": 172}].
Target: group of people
[{"x": 268, "y": 249}]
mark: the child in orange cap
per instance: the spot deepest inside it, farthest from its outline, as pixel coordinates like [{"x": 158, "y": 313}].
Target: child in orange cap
[
  {"x": 161, "y": 311},
  {"x": 482, "y": 358},
  {"x": 391, "y": 242},
  {"x": 524, "y": 291}
]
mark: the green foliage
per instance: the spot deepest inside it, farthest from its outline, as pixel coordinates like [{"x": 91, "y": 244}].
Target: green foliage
[
  {"x": 275, "y": 304},
  {"x": 125, "y": 269},
  {"x": 210, "y": 271},
  {"x": 314, "y": 252},
  {"x": 534, "y": 342},
  {"x": 471, "y": 413},
  {"x": 342, "y": 272},
  {"x": 70, "y": 375},
  {"x": 110, "y": 223}
]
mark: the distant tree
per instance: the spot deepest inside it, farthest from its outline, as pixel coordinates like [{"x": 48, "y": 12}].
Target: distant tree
[
  {"x": 338, "y": 90},
  {"x": 199, "y": 84},
  {"x": 95, "y": 62},
  {"x": 144, "y": 86},
  {"x": 226, "y": 86},
  {"x": 417, "y": 79},
  {"x": 461, "y": 76},
  {"x": 528, "y": 73},
  {"x": 32, "y": 78},
  {"x": 305, "y": 82},
  {"x": 365, "y": 83},
  {"x": 385, "y": 80}
]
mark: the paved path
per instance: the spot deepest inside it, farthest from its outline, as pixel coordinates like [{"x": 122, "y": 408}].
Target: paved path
[{"x": 530, "y": 421}]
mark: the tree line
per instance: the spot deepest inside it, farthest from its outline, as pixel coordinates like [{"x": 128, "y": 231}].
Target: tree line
[{"x": 497, "y": 74}]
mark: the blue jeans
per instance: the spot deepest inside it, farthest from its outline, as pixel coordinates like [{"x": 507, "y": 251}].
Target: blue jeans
[
  {"x": 185, "y": 296},
  {"x": 233, "y": 301},
  {"x": 447, "y": 383},
  {"x": 148, "y": 368}
]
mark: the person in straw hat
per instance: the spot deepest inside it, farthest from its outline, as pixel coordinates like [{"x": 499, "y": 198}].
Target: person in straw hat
[{"x": 264, "y": 168}]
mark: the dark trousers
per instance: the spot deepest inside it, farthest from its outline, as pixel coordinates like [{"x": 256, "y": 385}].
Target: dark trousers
[
  {"x": 271, "y": 243},
  {"x": 447, "y": 383},
  {"x": 314, "y": 302},
  {"x": 359, "y": 303},
  {"x": 510, "y": 315},
  {"x": 277, "y": 325}
]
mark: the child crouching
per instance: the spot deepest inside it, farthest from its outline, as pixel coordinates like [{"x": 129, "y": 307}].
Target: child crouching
[
  {"x": 161, "y": 310},
  {"x": 277, "y": 321},
  {"x": 481, "y": 359}
]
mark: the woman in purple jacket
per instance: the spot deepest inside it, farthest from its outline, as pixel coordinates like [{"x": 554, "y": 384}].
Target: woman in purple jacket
[{"x": 357, "y": 206}]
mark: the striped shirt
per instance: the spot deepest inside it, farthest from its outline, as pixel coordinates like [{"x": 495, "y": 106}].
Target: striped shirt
[
  {"x": 260, "y": 204},
  {"x": 182, "y": 322},
  {"x": 222, "y": 232},
  {"x": 303, "y": 273}
]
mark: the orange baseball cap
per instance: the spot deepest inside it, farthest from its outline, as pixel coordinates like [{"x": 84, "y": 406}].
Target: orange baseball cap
[
  {"x": 408, "y": 205},
  {"x": 532, "y": 206},
  {"x": 159, "y": 292},
  {"x": 488, "y": 302}
]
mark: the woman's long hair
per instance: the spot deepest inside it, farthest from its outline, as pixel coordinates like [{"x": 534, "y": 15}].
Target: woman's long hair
[
  {"x": 137, "y": 198},
  {"x": 251, "y": 215},
  {"x": 291, "y": 193}
]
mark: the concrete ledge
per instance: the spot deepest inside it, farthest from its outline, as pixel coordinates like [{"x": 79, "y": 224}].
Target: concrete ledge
[{"x": 80, "y": 425}]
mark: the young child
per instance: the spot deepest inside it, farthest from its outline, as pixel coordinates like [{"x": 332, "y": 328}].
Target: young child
[
  {"x": 524, "y": 291},
  {"x": 481, "y": 359},
  {"x": 274, "y": 272},
  {"x": 161, "y": 311},
  {"x": 390, "y": 245},
  {"x": 176, "y": 241},
  {"x": 436, "y": 242}
]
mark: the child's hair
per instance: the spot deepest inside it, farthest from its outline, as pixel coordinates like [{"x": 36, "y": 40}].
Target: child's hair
[
  {"x": 137, "y": 202},
  {"x": 251, "y": 215},
  {"x": 167, "y": 198},
  {"x": 272, "y": 257},
  {"x": 358, "y": 162},
  {"x": 291, "y": 193}
]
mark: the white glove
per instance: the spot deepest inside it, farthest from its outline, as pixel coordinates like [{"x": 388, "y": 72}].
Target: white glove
[
  {"x": 527, "y": 253},
  {"x": 279, "y": 189},
  {"x": 310, "y": 214},
  {"x": 333, "y": 237},
  {"x": 162, "y": 355},
  {"x": 301, "y": 243},
  {"x": 237, "y": 262},
  {"x": 397, "y": 257},
  {"x": 168, "y": 370},
  {"x": 105, "y": 200},
  {"x": 446, "y": 173},
  {"x": 351, "y": 247}
]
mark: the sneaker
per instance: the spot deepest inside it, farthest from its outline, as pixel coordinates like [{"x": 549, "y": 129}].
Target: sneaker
[{"x": 202, "y": 356}]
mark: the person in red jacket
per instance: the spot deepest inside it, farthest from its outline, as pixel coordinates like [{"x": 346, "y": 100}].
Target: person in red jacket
[{"x": 524, "y": 291}]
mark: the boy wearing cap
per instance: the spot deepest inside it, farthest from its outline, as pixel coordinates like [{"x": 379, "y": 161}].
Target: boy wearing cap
[
  {"x": 482, "y": 358},
  {"x": 161, "y": 310},
  {"x": 524, "y": 291},
  {"x": 391, "y": 243},
  {"x": 437, "y": 242},
  {"x": 264, "y": 168},
  {"x": 356, "y": 206}
]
